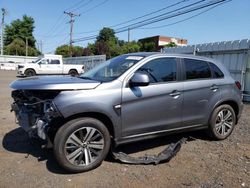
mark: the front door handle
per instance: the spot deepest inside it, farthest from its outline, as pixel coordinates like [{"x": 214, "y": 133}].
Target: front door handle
[
  {"x": 175, "y": 94},
  {"x": 214, "y": 87}
]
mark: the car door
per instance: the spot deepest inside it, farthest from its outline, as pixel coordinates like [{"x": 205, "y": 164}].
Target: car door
[
  {"x": 156, "y": 107},
  {"x": 42, "y": 66},
  {"x": 198, "y": 92},
  {"x": 54, "y": 67}
]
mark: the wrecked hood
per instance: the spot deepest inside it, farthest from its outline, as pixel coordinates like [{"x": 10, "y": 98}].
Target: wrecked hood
[{"x": 54, "y": 83}]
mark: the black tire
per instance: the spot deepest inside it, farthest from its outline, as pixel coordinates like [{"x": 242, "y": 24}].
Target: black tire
[
  {"x": 220, "y": 127},
  {"x": 73, "y": 73},
  {"x": 30, "y": 72},
  {"x": 63, "y": 139}
]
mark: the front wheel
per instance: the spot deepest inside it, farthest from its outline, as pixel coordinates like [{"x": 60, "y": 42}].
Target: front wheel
[
  {"x": 222, "y": 122},
  {"x": 30, "y": 72},
  {"x": 81, "y": 144}
]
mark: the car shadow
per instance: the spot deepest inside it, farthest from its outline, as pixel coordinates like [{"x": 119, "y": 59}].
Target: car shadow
[
  {"x": 19, "y": 76},
  {"x": 18, "y": 141}
]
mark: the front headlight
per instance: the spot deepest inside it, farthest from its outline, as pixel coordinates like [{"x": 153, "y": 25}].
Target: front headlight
[
  {"x": 20, "y": 66},
  {"x": 50, "y": 110}
]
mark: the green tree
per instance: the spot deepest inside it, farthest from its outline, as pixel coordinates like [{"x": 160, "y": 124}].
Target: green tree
[
  {"x": 106, "y": 34},
  {"x": 107, "y": 43},
  {"x": 77, "y": 51},
  {"x": 130, "y": 47},
  {"x": 63, "y": 50},
  {"x": 16, "y": 47},
  {"x": 148, "y": 47},
  {"x": 170, "y": 45},
  {"x": 87, "y": 52},
  {"x": 20, "y": 30}
]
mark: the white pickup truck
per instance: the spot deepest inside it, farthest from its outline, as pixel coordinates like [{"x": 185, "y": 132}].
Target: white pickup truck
[{"x": 48, "y": 64}]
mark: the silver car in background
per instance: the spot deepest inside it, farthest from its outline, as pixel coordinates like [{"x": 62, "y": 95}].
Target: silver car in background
[{"x": 128, "y": 98}]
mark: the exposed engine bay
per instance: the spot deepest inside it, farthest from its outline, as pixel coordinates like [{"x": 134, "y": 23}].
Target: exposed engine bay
[{"x": 35, "y": 111}]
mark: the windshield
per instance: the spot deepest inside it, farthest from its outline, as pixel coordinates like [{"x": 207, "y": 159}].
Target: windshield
[
  {"x": 36, "y": 60},
  {"x": 112, "y": 69}
]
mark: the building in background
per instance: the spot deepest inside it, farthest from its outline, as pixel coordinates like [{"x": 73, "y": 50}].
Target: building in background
[{"x": 161, "y": 41}]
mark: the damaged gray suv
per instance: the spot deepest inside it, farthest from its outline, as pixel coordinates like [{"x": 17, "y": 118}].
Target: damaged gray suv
[{"x": 128, "y": 98}]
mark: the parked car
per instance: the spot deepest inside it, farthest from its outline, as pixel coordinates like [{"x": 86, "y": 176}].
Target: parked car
[
  {"x": 48, "y": 64},
  {"x": 128, "y": 98}
]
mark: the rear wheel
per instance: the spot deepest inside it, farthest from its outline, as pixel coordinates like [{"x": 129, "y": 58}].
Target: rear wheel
[
  {"x": 30, "y": 72},
  {"x": 73, "y": 73},
  {"x": 222, "y": 122},
  {"x": 81, "y": 144}
]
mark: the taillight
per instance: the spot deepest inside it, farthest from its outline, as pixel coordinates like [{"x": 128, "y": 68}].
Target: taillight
[{"x": 237, "y": 83}]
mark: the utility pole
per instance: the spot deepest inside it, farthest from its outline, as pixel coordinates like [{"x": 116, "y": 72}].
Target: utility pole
[
  {"x": 3, "y": 15},
  {"x": 26, "y": 46},
  {"x": 128, "y": 34},
  {"x": 72, "y": 20},
  {"x": 41, "y": 43}
]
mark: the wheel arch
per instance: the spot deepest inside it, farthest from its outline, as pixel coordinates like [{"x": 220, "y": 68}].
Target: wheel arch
[
  {"x": 97, "y": 115},
  {"x": 73, "y": 69},
  {"x": 231, "y": 103},
  {"x": 29, "y": 69}
]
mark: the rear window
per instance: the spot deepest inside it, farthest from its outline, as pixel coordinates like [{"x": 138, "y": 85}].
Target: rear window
[
  {"x": 217, "y": 73},
  {"x": 197, "y": 69}
]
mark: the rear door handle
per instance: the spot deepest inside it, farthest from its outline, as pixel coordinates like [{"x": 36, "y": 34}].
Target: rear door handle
[
  {"x": 214, "y": 87},
  {"x": 175, "y": 94}
]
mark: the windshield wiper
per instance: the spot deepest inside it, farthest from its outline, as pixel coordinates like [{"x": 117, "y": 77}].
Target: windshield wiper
[{"x": 86, "y": 78}]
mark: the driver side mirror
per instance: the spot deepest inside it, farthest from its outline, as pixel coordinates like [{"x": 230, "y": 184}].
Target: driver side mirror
[{"x": 139, "y": 79}]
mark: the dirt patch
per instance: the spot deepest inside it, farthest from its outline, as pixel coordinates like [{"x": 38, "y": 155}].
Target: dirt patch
[{"x": 200, "y": 163}]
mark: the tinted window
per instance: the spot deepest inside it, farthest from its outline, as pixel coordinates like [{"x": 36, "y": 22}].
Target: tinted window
[
  {"x": 197, "y": 69},
  {"x": 56, "y": 61},
  {"x": 160, "y": 70},
  {"x": 216, "y": 71},
  {"x": 44, "y": 61}
]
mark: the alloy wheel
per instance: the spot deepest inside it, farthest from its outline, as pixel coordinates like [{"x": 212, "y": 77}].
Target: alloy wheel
[
  {"x": 84, "y": 146},
  {"x": 224, "y": 122}
]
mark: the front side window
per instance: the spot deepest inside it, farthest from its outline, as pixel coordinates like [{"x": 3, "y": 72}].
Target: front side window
[
  {"x": 160, "y": 70},
  {"x": 197, "y": 69},
  {"x": 44, "y": 62}
]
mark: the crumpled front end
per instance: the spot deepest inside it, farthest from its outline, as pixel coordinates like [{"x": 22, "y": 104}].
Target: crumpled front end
[{"x": 35, "y": 110}]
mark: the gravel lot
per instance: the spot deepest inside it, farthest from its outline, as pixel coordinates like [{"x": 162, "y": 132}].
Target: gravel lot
[{"x": 200, "y": 163}]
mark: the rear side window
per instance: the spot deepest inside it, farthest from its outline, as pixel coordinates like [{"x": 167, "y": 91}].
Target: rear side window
[
  {"x": 197, "y": 69},
  {"x": 217, "y": 73},
  {"x": 54, "y": 62}
]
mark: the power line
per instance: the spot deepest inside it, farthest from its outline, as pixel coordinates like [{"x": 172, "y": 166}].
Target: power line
[
  {"x": 75, "y": 5},
  {"x": 128, "y": 27},
  {"x": 159, "y": 18},
  {"x": 151, "y": 13},
  {"x": 94, "y": 7},
  {"x": 125, "y": 28},
  {"x": 183, "y": 20},
  {"x": 152, "y": 18},
  {"x": 139, "y": 17},
  {"x": 62, "y": 18},
  {"x": 62, "y": 42},
  {"x": 85, "y": 4},
  {"x": 88, "y": 10}
]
